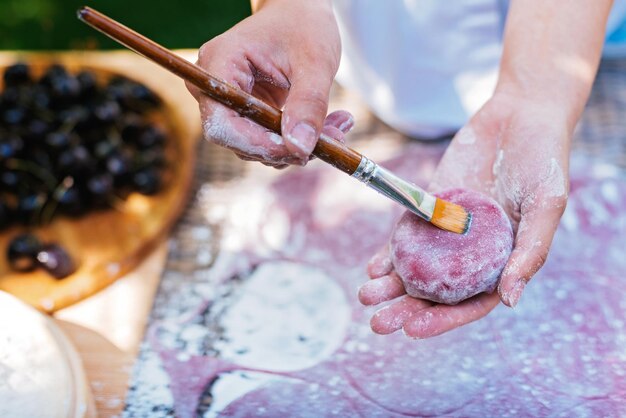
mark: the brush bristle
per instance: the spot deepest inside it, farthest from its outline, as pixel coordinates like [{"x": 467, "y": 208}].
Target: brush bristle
[{"x": 451, "y": 217}]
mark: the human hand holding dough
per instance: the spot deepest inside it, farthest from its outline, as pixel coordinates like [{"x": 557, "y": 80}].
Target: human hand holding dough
[
  {"x": 445, "y": 267},
  {"x": 516, "y": 153}
]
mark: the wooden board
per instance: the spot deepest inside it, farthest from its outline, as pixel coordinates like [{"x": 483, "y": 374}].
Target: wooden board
[
  {"x": 108, "y": 339},
  {"x": 106, "y": 366},
  {"x": 108, "y": 244}
]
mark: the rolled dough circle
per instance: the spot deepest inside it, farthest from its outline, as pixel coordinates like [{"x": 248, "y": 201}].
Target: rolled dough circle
[
  {"x": 446, "y": 267},
  {"x": 41, "y": 374}
]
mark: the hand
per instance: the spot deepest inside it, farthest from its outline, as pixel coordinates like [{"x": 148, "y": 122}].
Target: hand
[
  {"x": 516, "y": 152},
  {"x": 287, "y": 54}
]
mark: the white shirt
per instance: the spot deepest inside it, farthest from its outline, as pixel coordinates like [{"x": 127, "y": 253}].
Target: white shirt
[{"x": 425, "y": 66}]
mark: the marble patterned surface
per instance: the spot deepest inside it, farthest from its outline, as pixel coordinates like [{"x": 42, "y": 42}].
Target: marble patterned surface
[{"x": 257, "y": 314}]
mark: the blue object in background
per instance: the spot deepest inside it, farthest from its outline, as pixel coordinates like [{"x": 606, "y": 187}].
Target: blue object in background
[{"x": 615, "y": 44}]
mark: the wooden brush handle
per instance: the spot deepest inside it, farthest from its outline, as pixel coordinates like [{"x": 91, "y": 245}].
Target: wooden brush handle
[{"x": 327, "y": 149}]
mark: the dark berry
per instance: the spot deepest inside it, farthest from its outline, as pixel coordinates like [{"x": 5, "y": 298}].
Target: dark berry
[
  {"x": 107, "y": 111},
  {"x": 40, "y": 98},
  {"x": 154, "y": 157},
  {"x": 37, "y": 128},
  {"x": 73, "y": 115},
  {"x": 58, "y": 140},
  {"x": 14, "y": 116},
  {"x": 143, "y": 94},
  {"x": 100, "y": 187},
  {"x": 70, "y": 201},
  {"x": 17, "y": 74},
  {"x": 87, "y": 82},
  {"x": 147, "y": 181},
  {"x": 5, "y": 215},
  {"x": 150, "y": 137},
  {"x": 70, "y": 126},
  {"x": 10, "y": 146},
  {"x": 9, "y": 180},
  {"x": 75, "y": 160},
  {"x": 118, "y": 164},
  {"x": 65, "y": 88},
  {"x": 55, "y": 260},
  {"x": 22, "y": 252},
  {"x": 117, "y": 89},
  {"x": 29, "y": 206},
  {"x": 139, "y": 98},
  {"x": 133, "y": 127},
  {"x": 103, "y": 149},
  {"x": 10, "y": 96},
  {"x": 53, "y": 72}
]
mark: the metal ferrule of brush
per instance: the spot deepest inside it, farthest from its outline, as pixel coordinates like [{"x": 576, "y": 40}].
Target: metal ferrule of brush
[{"x": 385, "y": 182}]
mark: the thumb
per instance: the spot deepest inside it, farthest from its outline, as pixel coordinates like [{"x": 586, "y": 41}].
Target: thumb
[
  {"x": 532, "y": 243},
  {"x": 305, "y": 111},
  {"x": 380, "y": 264}
]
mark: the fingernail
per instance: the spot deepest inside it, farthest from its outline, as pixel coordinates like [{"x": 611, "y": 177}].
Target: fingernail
[
  {"x": 347, "y": 125},
  {"x": 380, "y": 265},
  {"x": 359, "y": 294},
  {"x": 302, "y": 137},
  {"x": 514, "y": 295}
]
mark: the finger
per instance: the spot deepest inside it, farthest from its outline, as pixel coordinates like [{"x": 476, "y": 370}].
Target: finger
[
  {"x": 333, "y": 132},
  {"x": 269, "y": 92},
  {"x": 230, "y": 130},
  {"x": 532, "y": 243},
  {"x": 441, "y": 318},
  {"x": 381, "y": 290},
  {"x": 245, "y": 157},
  {"x": 391, "y": 318},
  {"x": 273, "y": 165},
  {"x": 337, "y": 124},
  {"x": 195, "y": 91},
  {"x": 276, "y": 166},
  {"x": 305, "y": 110},
  {"x": 340, "y": 119},
  {"x": 226, "y": 127},
  {"x": 231, "y": 71},
  {"x": 380, "y": 264},
  {"x": 230, "y": 65}
]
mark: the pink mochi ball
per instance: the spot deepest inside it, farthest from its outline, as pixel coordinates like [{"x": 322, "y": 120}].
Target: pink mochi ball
[{"x": 446, "y": 267}]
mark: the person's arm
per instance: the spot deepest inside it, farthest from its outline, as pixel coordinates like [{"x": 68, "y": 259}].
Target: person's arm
[
  {"x": 515, "y": 149},
  {"x": 551, "y": 51},
  {"x": 551, "y": 54},
  {"x": 287, "y": 54}
]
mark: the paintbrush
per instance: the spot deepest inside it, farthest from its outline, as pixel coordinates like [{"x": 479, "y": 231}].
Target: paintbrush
[{"x": 443, "y": 214}]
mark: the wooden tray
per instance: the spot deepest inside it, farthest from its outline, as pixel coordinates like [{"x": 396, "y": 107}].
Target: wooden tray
[{"x": 108, "y": 244}]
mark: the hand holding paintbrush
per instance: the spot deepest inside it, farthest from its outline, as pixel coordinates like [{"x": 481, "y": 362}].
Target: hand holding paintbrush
[{"x": 440, "y": 213}]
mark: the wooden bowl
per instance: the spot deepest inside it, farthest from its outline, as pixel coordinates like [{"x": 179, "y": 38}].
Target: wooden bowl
[{"x": 107, "y": 244}]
